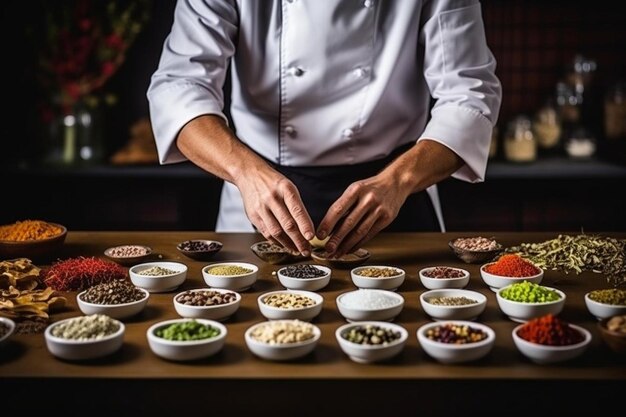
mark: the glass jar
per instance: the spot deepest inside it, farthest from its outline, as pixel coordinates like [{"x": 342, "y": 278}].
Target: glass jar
[
  {"x": 615, "y": 112},
  {"x": 520, "y": 144},
  {"x": 568, "y": 103},
  {"x": 547, "y": 127}
]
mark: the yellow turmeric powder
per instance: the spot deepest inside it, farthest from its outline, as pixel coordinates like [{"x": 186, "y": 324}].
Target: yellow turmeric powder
[{"x": 28, "y": 230}]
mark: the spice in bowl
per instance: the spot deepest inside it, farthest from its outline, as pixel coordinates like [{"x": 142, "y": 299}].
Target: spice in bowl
[
  {"x": 528, "y": 292},
  {"x": 199, "y": 246},
  {"x": 444, "y": 272},
  {"x": 113, "y": 293},
  {"x": 612, "y": 296},
  {"x": 283, "y": 332},
  {"x": 206, "y": 298},
  {"x": 451, "y": 301},
  {"x": 29, "y": 230},
  {"x": 617, "y": 324},
  {"x": 376, "y": 272},
  {"x": 157, "y": 271},
  {"x": 78, "y": 274},
  {"x": 188, "y": 330},
  {"x": 549, "y": 330},
  {"x": 302, "y": 271},
  {"x": 371, "y": 335},
  {"x": 288, "y": 300},
  {"x": 477, "y": 243},
  {"x": 127, "y": 251},
  {"x": 455, "y": 334},
  {"x": 369, "y": 300},
  {"x": 512, "y": 265},
  {"x": 226, "y": 270},
  {"x": 93, "y": 327}
]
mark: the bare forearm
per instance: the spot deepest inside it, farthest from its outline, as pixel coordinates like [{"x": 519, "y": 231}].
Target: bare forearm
[
  {"x": 209, "y": 143},
  {"x": 425, "y": 164}
]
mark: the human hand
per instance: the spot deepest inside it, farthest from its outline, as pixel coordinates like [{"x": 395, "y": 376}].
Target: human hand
[
  {"x": 363, "y": 210},
  {"x": 274, "y": 206}
]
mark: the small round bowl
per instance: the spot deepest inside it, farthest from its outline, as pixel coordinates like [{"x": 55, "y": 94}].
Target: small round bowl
[
  {"x": 354, "y": 313},
  {"x": 615, "y": 340},
  {"x": 362, "y": 353},
  {"x": 160, "y": 283},
  {"x": 33, "y": 249},
  {"x": 305, "y": 284},
  {"x": 115, "y": 311},
  {"x": 211, "y": 248},
  {"x": 522, "y": 312},
  {"x": 240, "y": 282},
  {"x": 273, "y": 254},
  {"x": 495, "y": 282},
  {"x": 474, "y": 256},
  {"x": 281, "y": 352},
  {"x": 382, "y": 283},
  {"x": 450, "y": 353},
  {"x": 188, "y": 350},
  {"x": 83, "y": 349},
  {"x": 543, "y": 354},
  {"x": 10, "y": 325},
  {"x": 454, "y": 312},
  {"x": 347, "y": 261},
  {"x": 128, "y": 260},
  {"x": 219, "y": 312},
  {"x": 303, "y": 313},
  {"x": 440, "y": 283},
  {"x": 603, "y": 310}
]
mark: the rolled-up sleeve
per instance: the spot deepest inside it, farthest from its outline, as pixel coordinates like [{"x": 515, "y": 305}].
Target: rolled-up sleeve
[
  {"x": 460, "y": 71},
  {"x": 191, "y": 73}
]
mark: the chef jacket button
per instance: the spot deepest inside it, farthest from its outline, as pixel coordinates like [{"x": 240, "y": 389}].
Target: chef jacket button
[
  {"x": 297, "y": 71},
  {"x": 348, "y": 133},
  {"x": 368, "y": 3},
  {"x": 360, "y": 72},
  {"x": 290, "y": 131}
]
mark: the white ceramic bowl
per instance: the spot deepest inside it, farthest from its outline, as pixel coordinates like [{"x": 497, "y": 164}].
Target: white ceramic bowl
[
  {"x": 353, "y": 313},
  {"x": 522, "y": 312},
  {"x": 495, "y": 282},
  {"x": 11, "y": 328},
  {"x": 383, "y": 283},
  {"x": 305, "y": 284},
  {"x": 450, "y": 353},
  {"x": 304, "y": 313},
  {"x": 544, "y": 354},
  {"x": 83, "y": 349},
  {"x": 176, "y": 350},
  {"x": 161, "y": 283},
  {"x": 218, "y": 312},
  {"x": 460, "y": 312},
  {"x": 603, "y": 310},
  {"x": 440, "y": 283},
  {"x": 240, "y": 282},
  {"x": 362, "y": 353},
  {"x": 115, "y": 311},
  {"x": 281, "y": 352}
]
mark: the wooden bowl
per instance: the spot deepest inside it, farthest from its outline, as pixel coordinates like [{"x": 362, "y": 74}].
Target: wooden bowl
[
  {"x": 273, "y": 254},
  {"x": 615, "y": 340},
  {"x": 33, "y": 249},
  {"x": 475, "y": 256},
  {"x": 347, "y": 261}
]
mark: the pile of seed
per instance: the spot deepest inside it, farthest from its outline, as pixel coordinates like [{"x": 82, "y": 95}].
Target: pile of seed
[
  {"x": 612, "y": 296},
  {"x": 157, "y": 271},
  {"x": 288, "y": 300},
  {"x": 198, "y": 246},
  {"x": 451, "y": 301},
  {"x": 366, "y": 299},
  {"x": 529, "y": 292},
  {"x": 128, "y": 251},
  {"x": 269, "y": 247},
  {"x": 443, "y": 272},
  {"x": 477, "y": 243},
  {"x": 112, "y": 293},
  {"x": 283, "y": 332},
  {"x": 370, "y": 335},
  {"x": 455, "y": 334},
  {"x": 187, "y": 331},
  {"x": 206, "y": 298},
  {"x": 228, "y": 270},
  {"x": 374, "y": 272},
  {"x": 302, "y": 271},
  {"x": 93, "y": 327}
]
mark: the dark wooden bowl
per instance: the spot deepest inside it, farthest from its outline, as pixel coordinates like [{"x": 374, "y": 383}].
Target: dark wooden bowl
[
  {"x": 475, "y": 256},
  {"x": 201, "y": 255},
  {"x": 33, "y": 249},
  {"x": 273, "y": 254},
  {"x": 347, "y": 261},
  {"x": 616, "y": 341}
]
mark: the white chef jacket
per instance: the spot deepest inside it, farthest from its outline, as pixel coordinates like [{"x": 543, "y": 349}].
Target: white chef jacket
[{"x": 329, "y": 82}]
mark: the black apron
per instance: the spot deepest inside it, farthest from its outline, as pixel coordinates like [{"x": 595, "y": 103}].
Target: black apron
[{"x": 321, "y": 186}]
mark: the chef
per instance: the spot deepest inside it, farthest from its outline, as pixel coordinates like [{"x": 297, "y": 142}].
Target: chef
[{"x": 346, "y": 114}]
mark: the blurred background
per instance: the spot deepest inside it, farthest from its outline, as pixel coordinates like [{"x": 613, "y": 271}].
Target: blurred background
[{"x": 77, "y": 146}]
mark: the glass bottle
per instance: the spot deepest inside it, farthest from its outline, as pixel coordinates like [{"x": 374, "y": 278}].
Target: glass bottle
[
  {"x": 520, "y": 144},
  {"x": 547, "y": 127},
  {"x": 615, "y": 112}
]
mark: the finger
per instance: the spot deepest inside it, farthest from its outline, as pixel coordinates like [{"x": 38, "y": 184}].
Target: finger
[
  {"x": 356, "y": 235},
  {"x": 260, "y": 227},
  {"x": 337, "y": 210},
  {"x": 290, "y": 229},
  {"x": 276, "y": 232},
  {"x": 346, "y": 227},
  {"x": 296, "y": 208}
]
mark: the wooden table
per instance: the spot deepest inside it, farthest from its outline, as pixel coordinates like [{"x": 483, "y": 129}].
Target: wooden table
[{"x": 134, "y": 379}]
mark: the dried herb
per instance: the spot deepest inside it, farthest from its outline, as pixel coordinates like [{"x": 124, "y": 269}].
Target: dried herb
[{"x": 579, "y": 253}]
